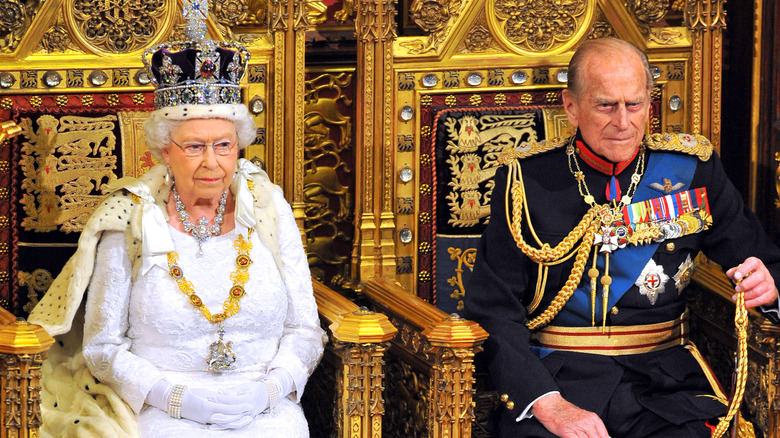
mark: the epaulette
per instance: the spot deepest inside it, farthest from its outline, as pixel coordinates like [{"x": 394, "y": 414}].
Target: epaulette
[
  {"x": 531, "y": 148},
  {"x": 691, "y": 144}
]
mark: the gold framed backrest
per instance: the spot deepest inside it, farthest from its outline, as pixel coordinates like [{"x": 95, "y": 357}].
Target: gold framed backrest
[
  {"x": 74, "y": 82},
  {"x": 493, "y": 54}
]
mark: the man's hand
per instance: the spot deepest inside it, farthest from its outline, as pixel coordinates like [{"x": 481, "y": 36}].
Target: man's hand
[
  {"x": 754, "y": 279},
  {"x": 566, "y": 420}
]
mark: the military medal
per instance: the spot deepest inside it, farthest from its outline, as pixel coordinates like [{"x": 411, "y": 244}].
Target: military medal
[
  {"x": 683, "y": 276},
  {"x": 651, "y": 281}
]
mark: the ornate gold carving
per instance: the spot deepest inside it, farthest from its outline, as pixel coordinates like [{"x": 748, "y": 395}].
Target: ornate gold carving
[
  {"x": 56, "y": 39},
  {"x": 16, "y": 16},
  {"x": 22, "y": 348},
  {"x": 323, "y": 121},
  {"x": 20, "y": 377},
  {"x": 228, "y": 13},
  {"x": 452, "y": 382},
  {"x": 407, "y": 393},
  {"x": 434, "y": 17},
  {"x": 37, "y": 282},
  {"x": 317, "y": 11},
  {"x": 117, "y": 26},
  {"x": 361, "y": 377},
  {"x": 664, "y": 37},
  {"x": 601, "y": 29},
  {"x": 705, "y": 14},
  {"x": 464, "y": 258},
  {"x": 696, "y": 82},
  {"x": 277, "y": 11},
  {"x": 72, "y": 156},
  {"x": 301, "y": 19},
  {"x": 717, "y": 69},
  {"x": 648, "y": 11},
  {"x": 536, "y": 26},
  {"x": 360, "y": 339},
  {"x": 478, "y": 39},
  {"x": 346, "y": 12}
]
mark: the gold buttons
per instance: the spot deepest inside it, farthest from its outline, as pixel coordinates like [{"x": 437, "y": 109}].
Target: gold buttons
[
  {"x": 670, "y": 246},
  {"x": 504, "y": 397},
  {"x": 510, "y": 405},
  {"x": 614, "y": 310}
]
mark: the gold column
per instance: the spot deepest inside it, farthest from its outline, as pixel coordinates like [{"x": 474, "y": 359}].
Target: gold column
[
  {"x": 706, "y": 19},
  {"x": 22, "y": 351},
  {"x": 360, "y": 339},
  {"x": 455, "y": 343},
  {"x": 374, "y": 251},
  {"x": 289, "y": 21}
]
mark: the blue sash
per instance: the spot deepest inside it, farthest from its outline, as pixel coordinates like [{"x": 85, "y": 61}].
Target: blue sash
[{"x": 626, "y": 264}]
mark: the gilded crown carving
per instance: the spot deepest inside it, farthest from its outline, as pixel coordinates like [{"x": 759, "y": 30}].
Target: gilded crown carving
[{"x": 118, "y": 26}]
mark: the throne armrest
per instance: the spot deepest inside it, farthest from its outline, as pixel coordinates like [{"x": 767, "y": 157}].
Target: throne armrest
[
  {"x": 23, "y": 348},
  {"x": 438, "y": 346},
  {"x": 359, "y": 338}
]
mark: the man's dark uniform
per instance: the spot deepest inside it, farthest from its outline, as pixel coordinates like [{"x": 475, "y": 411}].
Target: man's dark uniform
[{"x": 658, "y": 393}]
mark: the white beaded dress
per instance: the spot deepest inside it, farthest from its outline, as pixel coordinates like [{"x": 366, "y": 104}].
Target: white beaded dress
[{"x": 140, "y": 330}]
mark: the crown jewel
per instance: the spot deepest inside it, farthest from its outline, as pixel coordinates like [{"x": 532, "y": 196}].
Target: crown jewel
[{"x": 199, "y": 71}]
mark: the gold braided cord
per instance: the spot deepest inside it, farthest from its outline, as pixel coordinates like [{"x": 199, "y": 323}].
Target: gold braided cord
[
  {"x": 740, "y": 322},
  {"x": 571, "y": 283},
  {"x": 545, "y": 254},
  {"x": 584, "y": 231}
]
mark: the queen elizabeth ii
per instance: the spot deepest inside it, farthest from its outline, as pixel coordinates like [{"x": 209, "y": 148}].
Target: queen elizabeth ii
[{"x": 199, "y": 313}]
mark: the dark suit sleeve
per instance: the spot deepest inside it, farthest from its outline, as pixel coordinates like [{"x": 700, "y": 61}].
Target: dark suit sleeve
[
  {"x": 494, "y": 295},
  {"x": 736, "y": 232}
]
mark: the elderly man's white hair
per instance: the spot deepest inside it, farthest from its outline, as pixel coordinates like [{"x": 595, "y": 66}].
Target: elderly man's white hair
[{"x": 162, "y": 122}]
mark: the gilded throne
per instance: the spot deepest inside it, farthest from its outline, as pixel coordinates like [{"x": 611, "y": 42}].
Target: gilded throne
[{"x": 386, "y": 155}]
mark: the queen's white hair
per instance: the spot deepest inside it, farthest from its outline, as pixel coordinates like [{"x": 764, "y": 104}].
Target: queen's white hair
[{"x": 162, "y": 122}]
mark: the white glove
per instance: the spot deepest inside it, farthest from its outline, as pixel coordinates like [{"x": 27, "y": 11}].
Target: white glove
[
  {"x": 201, "y": 405},
  {"x": 254, "y": 394},
  {"x": 257, "y": 393}
]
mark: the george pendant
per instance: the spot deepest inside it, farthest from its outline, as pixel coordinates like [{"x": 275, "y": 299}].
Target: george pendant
[{"x": 221, "y": 356}]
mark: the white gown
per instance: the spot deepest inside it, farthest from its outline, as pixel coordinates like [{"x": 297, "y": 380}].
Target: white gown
[{"x": 137, "y": 332}]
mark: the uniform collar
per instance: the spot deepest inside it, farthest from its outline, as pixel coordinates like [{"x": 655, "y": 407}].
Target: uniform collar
[{"x": 598, "y": 162}]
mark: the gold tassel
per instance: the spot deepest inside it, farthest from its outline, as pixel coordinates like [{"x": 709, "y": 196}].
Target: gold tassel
[
  {"x": 593, "y": 273},
  {"x": 606, "y": 280}
]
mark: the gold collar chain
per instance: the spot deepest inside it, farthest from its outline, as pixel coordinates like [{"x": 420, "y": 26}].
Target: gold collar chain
[
  {"x": 221, "y": 356},
  {"x": 240, "y": 276},
  {"x": 606, "y": 213},
  {"x": 608, "y": 216}
]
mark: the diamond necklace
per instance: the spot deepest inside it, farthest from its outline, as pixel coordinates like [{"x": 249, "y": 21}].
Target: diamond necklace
[{"x": 202, "y": 231}]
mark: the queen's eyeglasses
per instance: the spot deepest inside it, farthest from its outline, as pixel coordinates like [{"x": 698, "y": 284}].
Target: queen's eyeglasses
[{"x": 194, "y": 150}]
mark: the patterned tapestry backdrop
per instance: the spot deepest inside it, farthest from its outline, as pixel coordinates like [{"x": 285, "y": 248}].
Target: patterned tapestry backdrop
[
  {"x": 461, "y": 137},
  {"x": 53, "y": 175}
]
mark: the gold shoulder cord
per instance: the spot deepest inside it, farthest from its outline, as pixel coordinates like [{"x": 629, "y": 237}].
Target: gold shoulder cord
[{"x": 546, "y": 256}]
